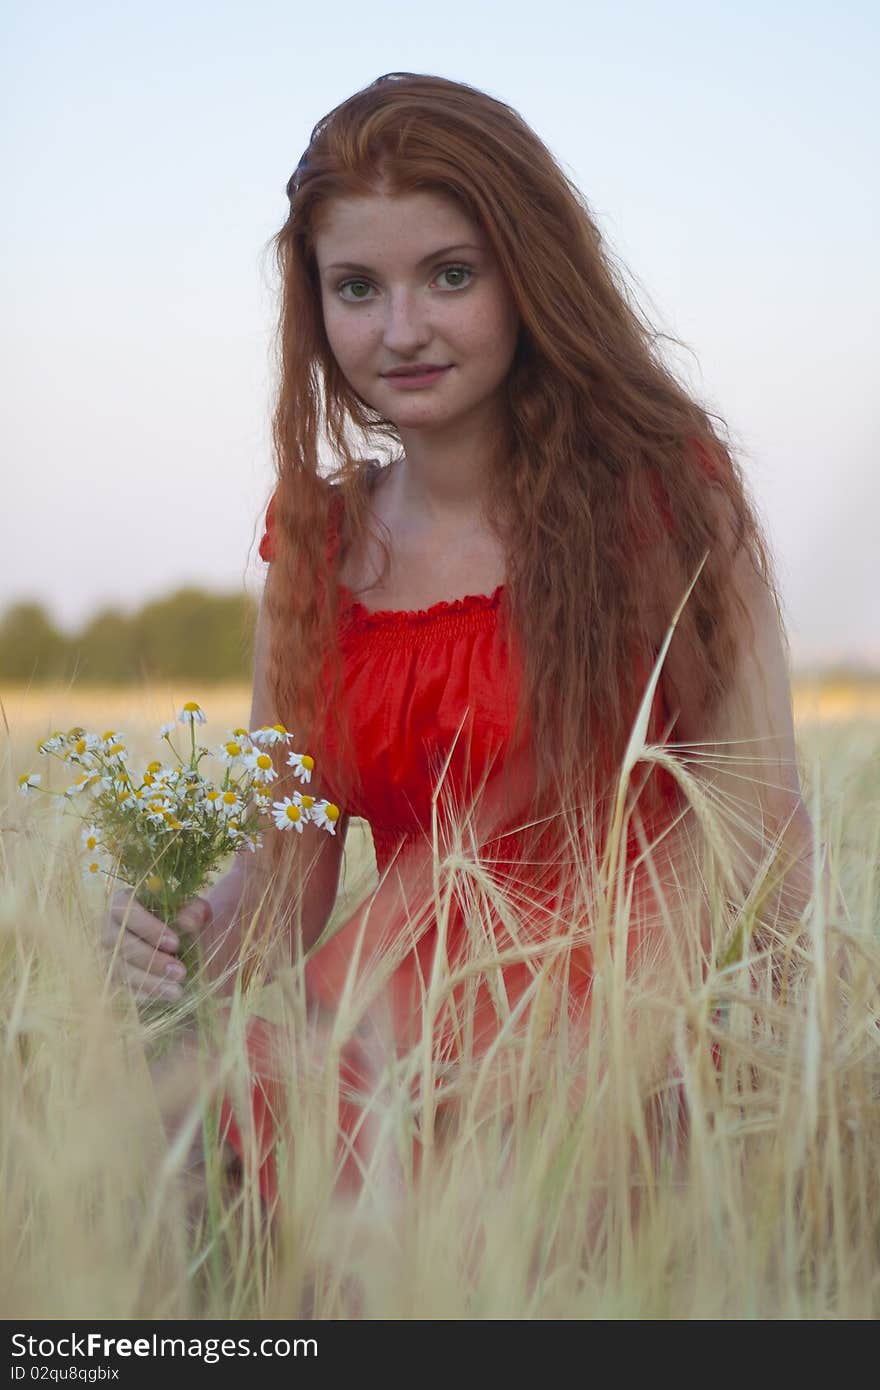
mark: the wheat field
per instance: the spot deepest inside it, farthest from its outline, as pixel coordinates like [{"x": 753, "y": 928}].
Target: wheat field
[{"x": 764, "y": 1201}]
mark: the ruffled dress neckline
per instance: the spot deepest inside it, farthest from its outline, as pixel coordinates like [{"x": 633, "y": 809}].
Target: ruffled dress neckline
[{"x": 366, "y": 617}]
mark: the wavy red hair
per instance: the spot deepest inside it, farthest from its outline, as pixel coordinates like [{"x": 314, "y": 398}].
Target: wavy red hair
[{"x": 601, "y": 439}]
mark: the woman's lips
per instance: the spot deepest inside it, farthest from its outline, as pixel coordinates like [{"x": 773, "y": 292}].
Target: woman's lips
[{"x": 412, "y": 381}]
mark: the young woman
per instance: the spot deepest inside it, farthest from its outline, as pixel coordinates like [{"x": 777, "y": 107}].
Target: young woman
[{"x": 461, "y": 633}]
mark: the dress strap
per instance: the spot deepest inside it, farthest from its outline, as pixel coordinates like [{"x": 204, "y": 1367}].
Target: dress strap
[{"x": 267, "y": 544}]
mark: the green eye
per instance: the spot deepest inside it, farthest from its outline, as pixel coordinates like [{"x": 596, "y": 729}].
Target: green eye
[
  {"x": 347, "y": 284},
  {"x": 356, "y": 285},
  {"x": 457, "y": 270}
]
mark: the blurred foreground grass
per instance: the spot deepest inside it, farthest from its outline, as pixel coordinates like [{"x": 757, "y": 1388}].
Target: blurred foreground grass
[{"x": 765, "y": 1204}]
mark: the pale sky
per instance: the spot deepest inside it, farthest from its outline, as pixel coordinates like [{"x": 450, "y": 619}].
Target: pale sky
[{"x": 729, "y": 153}]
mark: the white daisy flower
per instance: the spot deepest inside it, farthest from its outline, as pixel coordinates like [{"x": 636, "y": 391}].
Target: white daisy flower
[
  {"x": 93, "y": 868},
  {"x": 232, "y": 830},
  {"x": 325, "y": 814},
  {"x": 91, "y": 838},
  {"x": 156, "y": 810},
  {"x": 260, "y": 764},
  {"x": 262, "y": 802},
  {"x": 167, "y": 729},
  {"x": 160, "y": 780},
  {"x": 192, "y": 713},
  {"x": 87, "y": 781},
  {"x": 270, "y": 734},
  {"x": 124, "y": 793},
  {"x": 53, "y": 744},
  {"x": 191, "y": 788},
  {"x": 79, "y": 740},
  {"x": 304, "y": 765},
  {"x": 212, "y": 798},
  {"x": 109, "y": 737},
  {"x": 241, "y": 736},
  {"x": 229, "y": 803},
  {"x": 232, "y": 751},
  {"x": 81, "y": 748},
  {"x": 287, "y": 814},
  {"x": 250, "y": 842},
  {"x": 27, "y": 781}
]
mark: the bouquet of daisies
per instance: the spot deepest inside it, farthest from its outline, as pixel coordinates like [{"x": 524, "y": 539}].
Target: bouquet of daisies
[{"x": 164, "y": 830}]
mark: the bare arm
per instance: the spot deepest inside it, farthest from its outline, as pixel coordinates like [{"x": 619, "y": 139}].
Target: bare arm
[
  {"x": 249, "y": 896},
  {"x": 744, "y": 755}
]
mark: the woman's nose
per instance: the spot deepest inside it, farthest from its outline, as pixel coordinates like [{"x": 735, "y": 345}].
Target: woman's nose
[{"x": 406, "y": 323}]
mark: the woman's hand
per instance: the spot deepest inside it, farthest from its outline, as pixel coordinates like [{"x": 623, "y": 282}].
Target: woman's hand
[{"x": 142, "y": 950}]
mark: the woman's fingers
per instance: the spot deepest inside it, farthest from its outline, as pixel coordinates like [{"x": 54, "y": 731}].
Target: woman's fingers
[
  {"x": 134, "y": 951},
  {"x": 142, "y": 948},
  {"x": 147, "y": 986},
  {"x": 134, "y": 917},
  {"x": 194, "y": 916}
]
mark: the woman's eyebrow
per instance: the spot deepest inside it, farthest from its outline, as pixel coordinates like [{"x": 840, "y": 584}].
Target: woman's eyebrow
[{"x": 432, "y": 256}]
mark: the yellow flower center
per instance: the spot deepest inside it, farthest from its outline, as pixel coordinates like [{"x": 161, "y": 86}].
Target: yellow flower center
[
  {"x": 331, "y": 811},
  {"x": 149, "y": 779},
  {"x": 240, "y": 733},
  {"x": 264, "y": 761},
  {"x": 25, "y": 777},
  {"x": 93, "y": 868},
  {"x": 192, "y": 706},
  {"x": 153, "y": 767},
  {"x": 229, "y": 798},
  {"x": 108, "y": 736},
  {"x": 81, "y": 745},
  {"x": 212, "y": 795},
  {"x": 91, "y": 842},
  {"x": 307, "y": 761},
  {"x": 154, "y": 884},
  {"x": 116, "y": 748},
  {"x": 234, "y": 750},
  {"x": 292, "y": 813},
  {"x": 308, "y": 801},
  {"x": 279, "y": 728}
]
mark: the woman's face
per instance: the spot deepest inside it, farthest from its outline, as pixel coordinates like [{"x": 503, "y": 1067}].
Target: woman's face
[{"x": 411, "y": 280}]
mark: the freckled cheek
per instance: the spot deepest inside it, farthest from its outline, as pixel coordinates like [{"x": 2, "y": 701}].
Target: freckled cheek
[
  {"x": 493, "y": 330},
  {"x": 352, "y": 343}
]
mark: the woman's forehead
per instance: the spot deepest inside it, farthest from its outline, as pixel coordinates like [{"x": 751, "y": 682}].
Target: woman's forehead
[{"x": 410, "y": 218}]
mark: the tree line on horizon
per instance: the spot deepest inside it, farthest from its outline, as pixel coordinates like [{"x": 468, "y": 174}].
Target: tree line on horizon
[{"x": 190, "y": 633}]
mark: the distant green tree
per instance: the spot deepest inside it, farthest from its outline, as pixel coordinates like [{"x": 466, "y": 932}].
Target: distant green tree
[
  {"x": 31, "y": 646},
  {"x": 196, "y": 634},
  {"x": 192, "y": 634},
  {"x": 106, "y": 649}
]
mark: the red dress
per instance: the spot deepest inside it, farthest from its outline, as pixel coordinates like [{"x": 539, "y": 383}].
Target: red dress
[{"x": 411, "y": 680}]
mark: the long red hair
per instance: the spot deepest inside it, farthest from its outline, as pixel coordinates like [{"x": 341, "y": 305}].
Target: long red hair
[{"x": 600, "y": 437}]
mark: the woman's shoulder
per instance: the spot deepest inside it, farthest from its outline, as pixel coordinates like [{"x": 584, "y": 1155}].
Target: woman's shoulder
[{"x": 335, "y": 489}]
